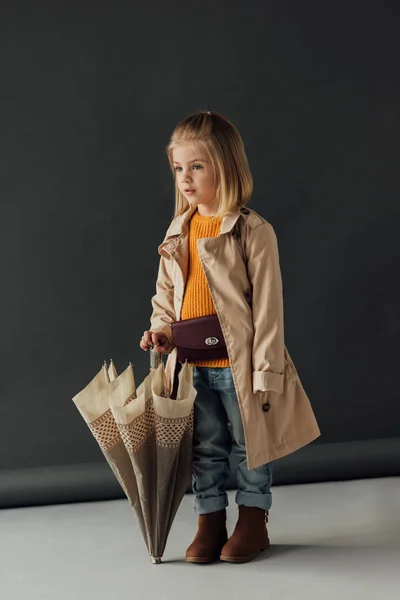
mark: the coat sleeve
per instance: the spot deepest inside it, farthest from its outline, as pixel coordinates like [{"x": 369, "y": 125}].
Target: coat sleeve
[
  {"x": 163, "y": 301},
  {"x": 267, "y": 307}
]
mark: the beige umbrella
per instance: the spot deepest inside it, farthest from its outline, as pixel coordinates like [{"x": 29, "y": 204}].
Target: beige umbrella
[{"x": 146, "y": 437}]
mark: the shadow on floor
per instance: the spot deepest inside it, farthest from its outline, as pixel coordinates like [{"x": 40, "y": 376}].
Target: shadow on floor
[{"x": 315, "y": 553}]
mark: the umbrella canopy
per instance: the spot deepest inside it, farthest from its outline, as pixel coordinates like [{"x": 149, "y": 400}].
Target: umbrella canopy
[{"x": 146, "y": 437}]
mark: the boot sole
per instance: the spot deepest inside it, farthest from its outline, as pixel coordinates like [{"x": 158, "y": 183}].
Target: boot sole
[
  {"x": 200, "y": 559},
  {"x": 243, "y": 559}
]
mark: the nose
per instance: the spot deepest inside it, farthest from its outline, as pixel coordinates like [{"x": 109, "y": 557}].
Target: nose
[{"x": 185, "y": 177}]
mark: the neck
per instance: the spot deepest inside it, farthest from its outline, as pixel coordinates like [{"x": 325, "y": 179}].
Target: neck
[
  {"x": 205, "y": 213},
  {"x": 210, "y": 209}
]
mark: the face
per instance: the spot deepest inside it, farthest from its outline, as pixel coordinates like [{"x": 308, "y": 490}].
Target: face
[{"x": 195, "y": 178}]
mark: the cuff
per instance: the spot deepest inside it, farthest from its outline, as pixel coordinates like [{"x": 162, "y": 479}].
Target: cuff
[{"x": 264, "y": 381}]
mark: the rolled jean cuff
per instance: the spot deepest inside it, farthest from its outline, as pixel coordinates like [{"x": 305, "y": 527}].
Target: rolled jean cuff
[
  {"x": 203, "y": 506},
  {"x": 263, "y": 501}
]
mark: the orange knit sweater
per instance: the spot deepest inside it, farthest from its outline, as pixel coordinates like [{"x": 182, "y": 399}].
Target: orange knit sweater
[{"x": 197, "y": 300}]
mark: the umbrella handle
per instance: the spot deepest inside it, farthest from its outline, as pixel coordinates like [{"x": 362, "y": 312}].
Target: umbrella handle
[
  {"x": 155, "y": 358},
  {"x": 155, "y": 361}
]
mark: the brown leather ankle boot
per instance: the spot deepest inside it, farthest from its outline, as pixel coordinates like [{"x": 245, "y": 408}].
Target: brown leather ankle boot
[
  {"x": 249, "y": 538},
  {"x": 210, "y": 537}
]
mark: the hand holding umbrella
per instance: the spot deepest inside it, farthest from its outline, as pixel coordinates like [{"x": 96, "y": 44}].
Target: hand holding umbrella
[{"x": 158, "y": 341}]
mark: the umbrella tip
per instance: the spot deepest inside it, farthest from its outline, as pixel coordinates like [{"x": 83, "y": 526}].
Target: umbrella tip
[{"x": 156, "y": 560}]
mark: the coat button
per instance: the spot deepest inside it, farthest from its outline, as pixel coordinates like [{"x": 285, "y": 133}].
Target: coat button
[
  {"x": 266, "y": 406},
  {"x": 244, "y": 210}
]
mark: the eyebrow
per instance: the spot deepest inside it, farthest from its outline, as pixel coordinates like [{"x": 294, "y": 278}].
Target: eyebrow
[{"x": 191, "y": 161}]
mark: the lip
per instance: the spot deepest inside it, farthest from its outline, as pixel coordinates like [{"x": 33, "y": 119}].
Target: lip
[{"x": 189, "y": 191}]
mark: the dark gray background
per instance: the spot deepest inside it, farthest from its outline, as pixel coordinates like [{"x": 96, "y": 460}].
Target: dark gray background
[{"x": 90, "y": 93}]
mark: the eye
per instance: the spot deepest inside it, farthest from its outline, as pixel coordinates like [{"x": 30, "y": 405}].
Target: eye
[{"x": 176, "y": 168}]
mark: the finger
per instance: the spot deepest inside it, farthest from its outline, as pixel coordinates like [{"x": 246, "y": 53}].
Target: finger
[
  {"x": 155, "y": 339},
  {"x": 146, "y": 340}
]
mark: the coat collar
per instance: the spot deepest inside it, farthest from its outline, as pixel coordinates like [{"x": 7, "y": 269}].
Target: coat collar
[{"x": 179, "y": 223}]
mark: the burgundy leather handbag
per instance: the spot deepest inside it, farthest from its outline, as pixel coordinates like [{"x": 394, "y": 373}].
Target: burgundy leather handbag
[{"x": 199, "y": 339}]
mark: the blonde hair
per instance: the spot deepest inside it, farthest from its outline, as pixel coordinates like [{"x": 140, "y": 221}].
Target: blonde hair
[{"x": 217, "y": 140}]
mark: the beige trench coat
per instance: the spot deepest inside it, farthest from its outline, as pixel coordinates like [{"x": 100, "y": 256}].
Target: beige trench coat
[{"x": 276, "y": 412}]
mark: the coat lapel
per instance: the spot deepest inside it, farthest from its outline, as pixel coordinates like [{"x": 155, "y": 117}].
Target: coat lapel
[{"x": 179, "y": 228}]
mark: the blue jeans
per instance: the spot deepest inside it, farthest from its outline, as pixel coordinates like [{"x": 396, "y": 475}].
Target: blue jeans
[{"x": 218, "y": 429}]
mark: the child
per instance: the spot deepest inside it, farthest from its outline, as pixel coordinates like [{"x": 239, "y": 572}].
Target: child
[{"x": 253, "y": 401}]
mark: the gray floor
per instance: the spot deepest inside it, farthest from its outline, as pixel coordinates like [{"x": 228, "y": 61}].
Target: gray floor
[{"x": 330, "y": 541}]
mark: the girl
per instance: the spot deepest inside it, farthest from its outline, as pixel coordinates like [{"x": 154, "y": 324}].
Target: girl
[{"x": 253, "y": 401}]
